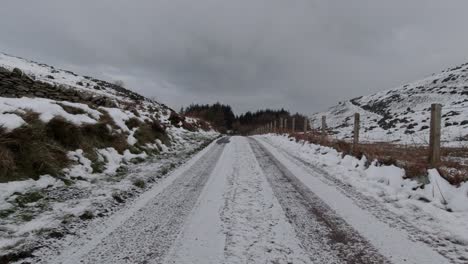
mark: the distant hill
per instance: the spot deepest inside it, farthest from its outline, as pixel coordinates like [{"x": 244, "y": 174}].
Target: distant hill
[{"x": 402, "y": 114}]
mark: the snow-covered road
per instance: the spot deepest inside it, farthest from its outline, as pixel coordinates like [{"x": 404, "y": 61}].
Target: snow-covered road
[{"x": 243, "y": 200}]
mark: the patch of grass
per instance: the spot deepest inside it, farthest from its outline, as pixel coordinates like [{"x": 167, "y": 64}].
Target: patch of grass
[
  {"x": 169, "y": 167},
  {"x": 7, "y": 160},
  {"x": 29, "y": 197},
  {"x": 87, "y": 215},
  {"x": 135, "y": 150},
  {"x": 164, "y": 171},
  {"x": 68, "y": 218},
  {"x": 150, "y": 131},
  {"x": 135, "y": 112},
  {"x": 137, "y": 160},
  {"x": 121, "y": 170},
  {"x": 99, "y": 136},
  {"x": 133, "y": 122},
  {"x": 66, "y": 181},
  {"x": 152, "y": 151},
  {"x": 37, "y": 148},
  {"x": 65, "y": 133},
  {"x": 98, "y": 163},
  {"x": 72, "y": 110},
  {"x": 140, "y": 183},
  {"x": 454, "y": 173},
  {"x": 98, "y": 166},
  {"x": 28, "y": 152},
  {"x": 25, "y": 216},
  {"x": 13, "y": 256},
  {"x": 120, "y": 173},
  {"x": 50, "y": 233},
  {"x": 6, "y": 212},
  {"x": 175, "y": 118},
  {"x": 118, "y": 198}
]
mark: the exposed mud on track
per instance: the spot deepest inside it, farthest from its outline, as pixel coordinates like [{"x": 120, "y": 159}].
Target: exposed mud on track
[{"x": 322, "y": 232}]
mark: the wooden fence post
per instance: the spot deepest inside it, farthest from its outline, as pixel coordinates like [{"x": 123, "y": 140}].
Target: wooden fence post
[
  {"x": 434, "y": 139},
  {"x": 357, "y": 126},
  {"x": 293, "y": 128},
  {"x": 324, "y": 127}
]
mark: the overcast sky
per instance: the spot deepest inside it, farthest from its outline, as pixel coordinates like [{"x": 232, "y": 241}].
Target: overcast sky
[{"x": 303, "y": 55}]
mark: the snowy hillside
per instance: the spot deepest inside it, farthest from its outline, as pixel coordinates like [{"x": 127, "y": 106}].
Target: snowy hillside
[
  {"x": 126, "y": 103},
  {"x": 73, "y": 148},
  {"x": 49, "y": 74},
  {"x": 402, "y": 114}
]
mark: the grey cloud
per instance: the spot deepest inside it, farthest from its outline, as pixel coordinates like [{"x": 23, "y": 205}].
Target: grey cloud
[{"x": 301, "y": 55}]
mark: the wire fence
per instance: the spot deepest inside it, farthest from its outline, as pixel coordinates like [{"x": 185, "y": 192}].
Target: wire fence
[{"x": 417, "y": 153}]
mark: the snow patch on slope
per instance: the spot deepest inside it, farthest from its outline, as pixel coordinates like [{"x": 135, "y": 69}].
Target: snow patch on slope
[
  {"x": 46, "y": 108},
  {"x": 402, "y": 114}
]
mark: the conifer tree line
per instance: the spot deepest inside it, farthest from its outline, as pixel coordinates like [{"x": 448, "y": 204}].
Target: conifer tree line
[{"x": 223, "y": 119}]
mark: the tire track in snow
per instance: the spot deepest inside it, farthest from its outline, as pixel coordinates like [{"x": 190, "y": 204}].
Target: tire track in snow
[
  {"x": 146, "y": 235},
  {"x": 201, "y": 241},
  {"x": 237, "y": 218},
  {"x": 391, "y": 242},
  {"x": 322, "y": 232},
  {"x": 254, "y": 223}
]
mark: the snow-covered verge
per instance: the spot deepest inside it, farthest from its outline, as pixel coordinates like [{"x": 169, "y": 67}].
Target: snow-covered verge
[
  {"x": 433, "y": 205},
  {"x": 38, "y": 213},
  {"x": 63, "y": 130},
  {"x": 65, "y": 157},
  {"x": 402, "y": 114}
]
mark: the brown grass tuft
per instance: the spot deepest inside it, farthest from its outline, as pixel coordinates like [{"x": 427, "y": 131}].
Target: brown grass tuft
[
  {"x": 7, "y": 159},
  {"x": 37, "y": 148},
  {"x": 32, "y": 151},
  {"x": 133, "y": 122},
  {"x": 150, "y": 131},
  {"x": 65, "y": 133},
  {"x": 414, "y": 159},
  {"x": 73, "y": 110}
]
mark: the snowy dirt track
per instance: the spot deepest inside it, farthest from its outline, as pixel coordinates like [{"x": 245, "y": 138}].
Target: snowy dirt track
[{"x": 242, "y": 200}]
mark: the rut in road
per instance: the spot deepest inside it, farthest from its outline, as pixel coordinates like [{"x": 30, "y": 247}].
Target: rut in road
[
  {"x": 147, "y": 235},
  {"x": 254, "y": 223},
  {"x": 237, "y": 219},
  {"x": 322, "y": 232}
]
